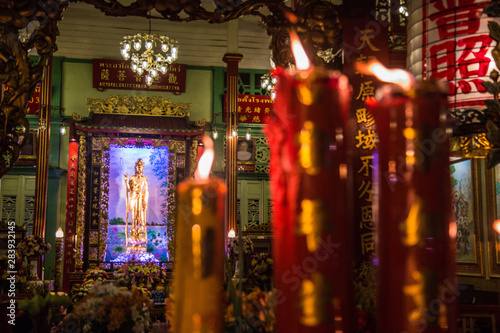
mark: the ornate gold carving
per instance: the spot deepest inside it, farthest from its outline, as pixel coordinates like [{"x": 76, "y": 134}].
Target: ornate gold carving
[
  {"x": 96, "y": 157},
  {"x": 180, "y": 146},
  {"x": 77, "y": 117},
  {"x": 139, "y": 105},
  {"x": 94, "y": 238},
  {"x": 201, "y": 123},
  {"x": 470, "y": 145},
  {"x": 193, "y": 157},
  {"x": 104, "y": 204},
  {"x": 82, "y": 198},
  {"x": 93, "y": 253},
  {"x": 171, "y": 202},
  {"x": 17, "y": 71},
  {"x": 264, "y": 227},
  {"x": 123, "y": 142},
  {"x": 312, "y": 221}
]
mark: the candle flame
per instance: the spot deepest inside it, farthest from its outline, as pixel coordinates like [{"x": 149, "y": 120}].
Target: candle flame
[
  {"x": 496, "y": 226},
  {"x": 206, "y": 160},
  {"x": 301, "y": 59},
  {"x": 397, "y": 76}
]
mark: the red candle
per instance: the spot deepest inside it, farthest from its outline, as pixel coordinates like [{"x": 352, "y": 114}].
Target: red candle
[
  {"x": 312, "y": 225},
  {"x": 416, "y": 285}
]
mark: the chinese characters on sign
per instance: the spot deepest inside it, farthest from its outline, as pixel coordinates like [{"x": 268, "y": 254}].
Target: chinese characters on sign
[
  {"x": 70, "y": 229},
  {"x": 456, "y": 47},
  {"x": 253, "y": 109},
  {"x": 366, "y": 43},
  {"x": 117, "y": 74}
]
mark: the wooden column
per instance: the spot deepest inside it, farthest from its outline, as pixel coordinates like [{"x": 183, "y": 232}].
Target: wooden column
[
  {"x": 232, "y": 60},
  {"x": 42, "y": 160}
]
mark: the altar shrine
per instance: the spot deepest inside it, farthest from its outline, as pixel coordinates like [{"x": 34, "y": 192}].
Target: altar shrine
[{"x": 162, "y": 171}]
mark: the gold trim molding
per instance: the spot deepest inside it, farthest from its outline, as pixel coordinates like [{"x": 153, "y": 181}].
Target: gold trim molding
[
  {"x": 474, "y": 145},
  {"x": 138, "y": 105}
]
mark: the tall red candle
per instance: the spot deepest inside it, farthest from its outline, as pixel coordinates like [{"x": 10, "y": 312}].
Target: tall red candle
[
  {"x": 312, "y": 225},
  {"x": 416, "y": 286}
]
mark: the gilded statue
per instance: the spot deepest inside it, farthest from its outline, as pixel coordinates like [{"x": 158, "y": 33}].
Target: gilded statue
[{"x": 137, "y": 206}]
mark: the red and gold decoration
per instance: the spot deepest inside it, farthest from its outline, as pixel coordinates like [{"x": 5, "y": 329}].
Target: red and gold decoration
[
  {"x": 118, "y": 74},
  {"x": 309, "y": 180},
  {"x": 415, "y": 232},
  {"x": 252, "y": 109},
  {"x": 198, "y": 294},
  {"x": 71, "y": 205},
  {"x": 363, "y": 43}
]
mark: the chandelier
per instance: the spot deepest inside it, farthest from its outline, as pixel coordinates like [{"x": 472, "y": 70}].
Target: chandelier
[
  {"x": 150, "y": 53},
  {"x": 268, "y": 82}
]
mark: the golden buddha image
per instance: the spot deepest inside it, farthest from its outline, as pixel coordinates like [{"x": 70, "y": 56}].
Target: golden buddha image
[{"x": 137, "y": 206}]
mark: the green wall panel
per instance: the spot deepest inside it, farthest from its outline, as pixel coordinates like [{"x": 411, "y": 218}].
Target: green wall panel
[{"x": 77, "y": 87}]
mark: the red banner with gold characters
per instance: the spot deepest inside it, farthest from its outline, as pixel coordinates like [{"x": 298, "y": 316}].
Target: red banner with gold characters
[
  {"x": 253, "y": 109},
  {"x": 117, "y": 74},
  {"x": 70, "y": 229},
  {"x": 364, "y": 41},
  {"x": 33, "y": 105}
]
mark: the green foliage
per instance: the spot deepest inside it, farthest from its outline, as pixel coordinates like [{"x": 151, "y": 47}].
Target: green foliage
[
  {"x": 159, "y": 160},
  {"x": 453, "y": 169},
  {"x": 119, "y": 249},
  {"x": 117, "y": 221},
  {"x": 38, "y": 303}
]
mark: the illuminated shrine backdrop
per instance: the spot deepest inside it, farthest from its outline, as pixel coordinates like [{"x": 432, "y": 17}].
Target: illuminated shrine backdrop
[
  {"x": 449, "y": 40},
  {"x": 122, "y": 161}
]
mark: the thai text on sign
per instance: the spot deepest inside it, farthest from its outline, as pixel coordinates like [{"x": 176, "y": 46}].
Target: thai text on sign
[
  {"x": 456, "y": 47},
  {"x": 254, "y": 109},
  {"x": 117, "y": 74}
]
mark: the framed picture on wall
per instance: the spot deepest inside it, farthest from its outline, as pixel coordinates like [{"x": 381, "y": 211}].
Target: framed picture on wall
[
  {"x": 245, "y": 155},
  {"x": 493, "y": 193},
  {"x": 29, "y": 150},
  {"x": 465, "y": 203}
]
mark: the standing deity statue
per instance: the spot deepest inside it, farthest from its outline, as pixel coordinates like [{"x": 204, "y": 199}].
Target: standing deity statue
[{"x": 137, "y": 206}]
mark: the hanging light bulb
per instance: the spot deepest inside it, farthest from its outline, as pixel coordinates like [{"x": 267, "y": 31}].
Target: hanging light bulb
[
  {"x": 215, "y": 134},
  {"x": 149, "y": 80},
  {"x": 268, "y": 82},
  {"x": 248, "y": 135},
  {"x": 234, "y": 131},
  {"x": 62, "y": 128}
]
